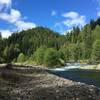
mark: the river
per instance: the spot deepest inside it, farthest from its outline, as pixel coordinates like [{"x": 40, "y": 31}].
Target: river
[{"x": 73, "y": 72}]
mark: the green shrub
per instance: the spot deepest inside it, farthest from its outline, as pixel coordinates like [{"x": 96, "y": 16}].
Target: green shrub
[
  {"x": 39, "y": 55},
  {"x": 48, "y": 57},
  {"x": 21, "y": 58},
  {"x": 53, "y": 57},
  {"x": 30, "y": 60}
]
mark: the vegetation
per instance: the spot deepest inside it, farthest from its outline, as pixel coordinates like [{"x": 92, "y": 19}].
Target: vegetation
[
  {"x": 48, "y": 56},
  {"x": 53, "y": 57},
  {"x": 39, "y": 55},
  {"x": 43, "y": 46},
  {"x": 96, "y": 51},
  {"x": 21, "y": 58}
]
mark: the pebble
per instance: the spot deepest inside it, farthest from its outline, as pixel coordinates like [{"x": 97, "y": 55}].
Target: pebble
[{"x": 45, "y": 86}]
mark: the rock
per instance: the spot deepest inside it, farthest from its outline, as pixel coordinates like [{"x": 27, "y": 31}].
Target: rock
[
  {"x": 8, "y": 66},
  {"x": 44, "y": 86}
]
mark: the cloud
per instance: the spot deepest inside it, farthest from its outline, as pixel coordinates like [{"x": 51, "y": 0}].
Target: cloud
[
  {"x": 74, "y": 19},
  {"x": 98, "y": 13},
  {"x": 98, "y": 7},
  {"x": 5, "y": 4},
  {"x": 72, "y": 15},
  {"x": 22, "y": 25},
  {"x": 5, "y": 33},
  {"x": 14, "y": 17},
  {"x": 53, "y": 13},
  {"x": 70, "y": 20}
]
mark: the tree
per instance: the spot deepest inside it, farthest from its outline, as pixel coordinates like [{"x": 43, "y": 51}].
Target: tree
[
  {"x": 96, "y": 33},
  {"x": 72, "y": 51},
  {"x": 87, "y": 40},
  {"x": 0, "y": 35},
  {"x": 92, "y": 24},
  {"x": 39, "y": 54},
  {"x": 5, "y": 54},
  {"x": 1, "y": 49},
  {"x": 53, "y": 57},
  {"x": 75, "y": 45},
  {"x": 75, "y": 34},
  {"x": 11, "y": 52},
  {"x": 96, "y": 52},
  {"x": 66, "y": 51}
]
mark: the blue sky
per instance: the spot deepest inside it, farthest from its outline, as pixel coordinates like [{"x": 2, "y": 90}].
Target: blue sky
[{"x": 59, "y": 15}]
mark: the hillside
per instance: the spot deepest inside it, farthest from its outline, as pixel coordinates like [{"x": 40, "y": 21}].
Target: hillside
[{"x": 78, "y": 45}]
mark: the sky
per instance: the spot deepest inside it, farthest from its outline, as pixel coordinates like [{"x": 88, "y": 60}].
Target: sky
[{"x": 58, "y": 15}]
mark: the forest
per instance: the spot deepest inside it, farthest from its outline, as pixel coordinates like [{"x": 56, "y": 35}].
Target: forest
[{"x": 43, "y": 46}]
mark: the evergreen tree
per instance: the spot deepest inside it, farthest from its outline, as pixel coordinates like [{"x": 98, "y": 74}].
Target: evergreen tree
[{"x": 96, "y": 52}]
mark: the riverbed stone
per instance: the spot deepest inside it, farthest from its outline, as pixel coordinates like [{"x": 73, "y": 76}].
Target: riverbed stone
[{"x": 37, "y": 84}]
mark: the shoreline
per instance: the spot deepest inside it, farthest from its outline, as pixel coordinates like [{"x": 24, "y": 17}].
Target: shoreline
[{"x": 37, "y": 84}]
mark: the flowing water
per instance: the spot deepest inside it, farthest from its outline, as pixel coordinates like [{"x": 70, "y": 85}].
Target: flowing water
[{"x": 73, "y": 72}]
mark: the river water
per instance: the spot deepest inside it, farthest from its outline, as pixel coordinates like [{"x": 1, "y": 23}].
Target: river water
[{"x": 73, "y": 72}]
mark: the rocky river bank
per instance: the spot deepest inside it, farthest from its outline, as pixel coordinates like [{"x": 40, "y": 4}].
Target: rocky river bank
[{"x": 35, "y": 83}]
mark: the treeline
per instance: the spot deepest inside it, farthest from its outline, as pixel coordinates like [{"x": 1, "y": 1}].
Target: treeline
[
  {"x": 44, "y": 46},
  {"x": 21, "y": 46},
  {"x": 83, "y": 44}
]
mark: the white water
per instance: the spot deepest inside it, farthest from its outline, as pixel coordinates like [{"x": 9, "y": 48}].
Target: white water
[{"x": 68, "y": 67}]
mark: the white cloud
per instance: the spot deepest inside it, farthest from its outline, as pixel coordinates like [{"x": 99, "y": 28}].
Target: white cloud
[
  {"x": 25, "y": 25},
  {"x": 74, "y": 19},
  {"x": 5, "y": 4},
  {"x": 5, "y": 33},
  {"x": 98, "y": 7},
  {"x": 14, "y": 17},
  {"x": 72, "y": 15},
  {"x": 98, "y": 13},
  {"x": 69, "y": 30},
  {"x": 53, "y": 13}
]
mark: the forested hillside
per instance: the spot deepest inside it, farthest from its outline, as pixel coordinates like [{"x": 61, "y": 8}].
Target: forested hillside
[{"x": 44, "y": 46}]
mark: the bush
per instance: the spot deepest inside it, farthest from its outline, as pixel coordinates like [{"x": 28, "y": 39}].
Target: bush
[
  {"x": 21, "y": 58},
  {"x": 49, "y": 57},
  {"x": 39, "y": 55},
  {"x": 53, "y": 57},
  {"x": 30, "y": 59}
]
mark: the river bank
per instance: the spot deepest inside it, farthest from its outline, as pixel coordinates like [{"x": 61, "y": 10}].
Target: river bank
[
  {"x": 91, "y": 67},
  {"x": 35, "y": 83}
]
